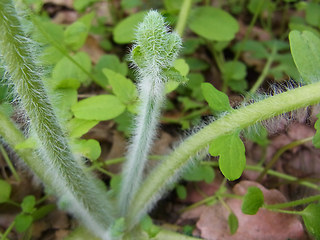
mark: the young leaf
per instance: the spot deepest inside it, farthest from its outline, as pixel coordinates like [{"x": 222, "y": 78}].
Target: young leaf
[
  {"x": 111, "y": 62},
  {"x": 5, "y": 191},
  {"x": 76, "y": 34},
  {"x": 28, "y": 204},
  {"x": 128, "y": 4},
  {"x": 199, "y": 173},
  {"x": 206, "y": 22},
  {"x": 122, "y": 87},
  {"x": 118, "y": 228},
  {"x": 305, "y": 49},
  {"x": 77, "y": 127},
  {"x": 124, "y": 31},
  {"x": 232, "y": 159},
  {"x": 233, "y": 223},
  {"x": 103, "y": 107},
  {"x": 181, "y": 191},
  {"x": 316, "y": 138},
  {"x": 65, "y": 69},
  {"x": 43, "y": 211},
  {"x": 311, "y": 218},
  {"x": 80, "y": 5},
  {"x": 234, "y": 73},
  {"x": 252, "y": 201},
  {"x": 89, "y": 148},
  {"x": 22, "y": 222},
  {"x": 148, "y": 226},
  {"x": 312, "y": 14},
  {"x": 217, "y": 100}
]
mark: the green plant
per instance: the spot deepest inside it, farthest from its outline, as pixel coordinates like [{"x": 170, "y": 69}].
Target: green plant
[{"x": 153, "y": 55}]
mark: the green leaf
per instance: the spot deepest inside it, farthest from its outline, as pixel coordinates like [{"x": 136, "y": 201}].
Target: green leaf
[
  {"x": 257, "y": 134},
  {"x": 233, "y": 223},
  {"x": 122, "y": 87},
  {"x": 234, "y": 71},
  {"x": 128, "y": 4},
  {"x": 232, "y": 159},
  {"x": 118, "y": 227},
  {"x": 213, "y": 24},
  {"x": 255, "y": 6},
  {"x": 199, "y": 173},
  {"x": 316, "y": 137},
  {"x": 194, "y": 83},
  {"x": 76, "y": 34},
  {"x": 148, "y": 226},
  {"x": 312, "y": 14},
  {"x": 252, "y": 201},
  {"x": 81, "y": 5},
  {"x": 189, "y": 104},
  {"x": 217, "y": 100},
  {"x": 89, "y": 148},
  {"x": 43, "y": 211},
  {"x": 125, "y": 30},
  {"x": 66, "y": 70},
  {"x": 5, "y": 191},
  {"x": 111, "y": 62},
  {"x": 181, "y": 66},
  {"x": 311, "y": 219},
  {"x": 28, "y": 204},
  {"x": 66, "y": 98},
  {"x": 30, "y": 142},
  {"x": 181, "y": 191},
  {"x": 78, "y": 127},
  {"x": 190, "y": 45},
  {"x": 196, "y": 64},
  {"x": 103, "y": 107},
  {"x": 305, "y": 49},
  {"x": 124, "y": 122},
  {"x": 22, "y": 222},
  {"x": 173, "y": 6}
]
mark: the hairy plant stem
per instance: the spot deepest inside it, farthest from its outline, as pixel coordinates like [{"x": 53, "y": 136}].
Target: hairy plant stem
[
  {"x": 153, "y": 55},
  {"x": 146, "y": 124},
  {"x": 169, "y": 170},
  {"x": 79, "y": 190}
]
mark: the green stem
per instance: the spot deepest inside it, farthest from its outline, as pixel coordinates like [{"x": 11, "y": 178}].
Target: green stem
[
  {"x": 273, "y": 173},
  {"x": 293, "y": 203},
  {"x": 6, "y": 233},
  {"x": 86, "y": 199},
  {"x": 13, "y": 136},
  {"x": 183, "y": 16},
  {"x": 279, "y": 153},
  {"x": 60, "y": 48},
  {"x": 170, "y": 235},
  {"x": 249, "y": 29},
  {"x": 166, "y": 173},
  {"x": 265, "y": 71},
  {"x": 9, "y": 163}
]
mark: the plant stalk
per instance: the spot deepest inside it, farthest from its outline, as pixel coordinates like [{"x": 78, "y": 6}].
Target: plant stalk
[
  {"x": 79, "y": 190},
  {"x": 166, "y": 173}
]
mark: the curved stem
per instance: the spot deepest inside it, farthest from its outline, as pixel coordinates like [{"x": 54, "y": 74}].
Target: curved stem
[
  {"x": 293, "y": 203},
  {"x": 264, "y": 71},
  {"x": 86, "y": 200},
  {"x": 277, "y": 155},
  {"x": 169, "y": 170},
  {"x": 9, "y": 163}
]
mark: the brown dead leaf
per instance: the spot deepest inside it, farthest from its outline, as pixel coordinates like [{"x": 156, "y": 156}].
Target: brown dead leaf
[
  {"x": 265, "y": 225},
  {"x": 93, "y": 48}
]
